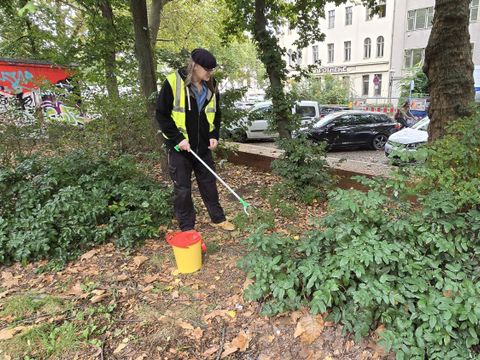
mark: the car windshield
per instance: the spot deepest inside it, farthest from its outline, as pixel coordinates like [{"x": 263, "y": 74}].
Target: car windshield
[
  {"x": 305, "y": 111},
  {"x": 422, "y": 124},
  {"x": 325, "y": 120}
]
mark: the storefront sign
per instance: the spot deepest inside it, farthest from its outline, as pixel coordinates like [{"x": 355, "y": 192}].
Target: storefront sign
[{"x": 331, "y": 69}]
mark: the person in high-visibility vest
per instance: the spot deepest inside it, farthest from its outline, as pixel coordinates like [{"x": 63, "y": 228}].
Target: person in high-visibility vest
[{"x": 188, "y": 112}]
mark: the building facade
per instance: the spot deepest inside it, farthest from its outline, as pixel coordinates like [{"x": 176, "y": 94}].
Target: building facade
[
  {"x": 411, "y": 30},
  {"x": 374, "y": 52}
]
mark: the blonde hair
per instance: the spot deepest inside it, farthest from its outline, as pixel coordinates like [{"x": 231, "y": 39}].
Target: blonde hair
[
  {"x": 190, "y": 66},
  {"x": 188, "y": 79}
]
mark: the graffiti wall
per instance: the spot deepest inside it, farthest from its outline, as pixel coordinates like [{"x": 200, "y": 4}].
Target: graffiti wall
[
  {"x": 28, "y": 102},
  {"x": 20, "y": 91}
]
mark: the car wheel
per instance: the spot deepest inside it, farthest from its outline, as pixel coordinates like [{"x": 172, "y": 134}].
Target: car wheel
[{"x": 379, "y": 141}]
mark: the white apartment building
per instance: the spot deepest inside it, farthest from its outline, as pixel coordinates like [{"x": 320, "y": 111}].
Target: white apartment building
[
  {"x": 374, "y": 52},
  {"x": 357, "y": 47},
  {"x": 411, "y": 30}
]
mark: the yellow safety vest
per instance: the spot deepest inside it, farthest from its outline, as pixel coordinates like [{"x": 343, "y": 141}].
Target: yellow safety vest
[{"x": 179, "y": 112}]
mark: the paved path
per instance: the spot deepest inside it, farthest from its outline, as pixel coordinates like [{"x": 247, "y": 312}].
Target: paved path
[{"x": 368, "y": 162}]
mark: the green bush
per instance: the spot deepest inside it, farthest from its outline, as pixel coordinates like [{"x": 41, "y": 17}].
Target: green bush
[
  {"x": 379, "y": 258},
  {"x": 118, "y": 126},
  {"x": 58, "y": 207},
  {"x": 303, "y": 169}
]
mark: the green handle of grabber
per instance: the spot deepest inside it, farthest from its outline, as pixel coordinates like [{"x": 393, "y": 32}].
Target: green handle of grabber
[
  {"x": 245, "y": 205},
  {"x": 177, "y": 148}
]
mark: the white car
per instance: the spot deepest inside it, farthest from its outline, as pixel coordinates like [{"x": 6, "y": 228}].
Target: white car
[
  {"x": 408, "y": 139},
  {"x": 256, "y": 123}
]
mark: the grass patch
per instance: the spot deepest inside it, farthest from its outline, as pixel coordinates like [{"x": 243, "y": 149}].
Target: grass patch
[
  {"x": 213, "y": 247},
  {"x": 26, "y": 305},
  {"x": 42, "y": 342},
  {"x": 159, "y": 260},
  {"x": 191, "y": 314}
]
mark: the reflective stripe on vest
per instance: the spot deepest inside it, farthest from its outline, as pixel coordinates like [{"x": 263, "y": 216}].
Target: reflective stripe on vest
[{"x": 179, "y": 113}]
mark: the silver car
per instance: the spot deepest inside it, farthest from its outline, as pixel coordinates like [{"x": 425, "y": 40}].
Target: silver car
[{"x": 408, "y": 139}]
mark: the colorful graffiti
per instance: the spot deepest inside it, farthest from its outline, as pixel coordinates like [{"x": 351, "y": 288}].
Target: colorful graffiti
[
  {"x": 16, "y": 81},
  {"x": 25, "y": 104},
  {"x": 20, "y": 91}
]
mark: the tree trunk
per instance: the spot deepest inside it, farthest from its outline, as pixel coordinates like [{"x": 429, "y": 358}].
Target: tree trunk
[
  {"x": 448, "y": 66},
  {"x": 146, "y": 68},
  {"x": 271, "y": 57},
  {"x": 154, "y": 20},
  {"x": 109, "y": 49}
]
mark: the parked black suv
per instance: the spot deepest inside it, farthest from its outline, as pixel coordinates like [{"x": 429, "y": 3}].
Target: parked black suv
[{"x": 353, "y": 129}]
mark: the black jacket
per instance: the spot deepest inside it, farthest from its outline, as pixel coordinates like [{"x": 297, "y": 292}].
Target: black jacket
[{"x": 198, "y": 129}]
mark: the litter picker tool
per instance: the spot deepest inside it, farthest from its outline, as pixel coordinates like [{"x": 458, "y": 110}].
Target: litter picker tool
[{"x": 243, "y": 202}]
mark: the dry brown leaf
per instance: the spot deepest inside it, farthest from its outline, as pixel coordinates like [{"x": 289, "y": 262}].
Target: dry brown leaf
[
  {"x": 9, "y": 280},
  {"x": 77, "y": 290},
  {"x": 242, "y": 340},
  {"x": 150, "y": 278},
  {"x": 141, "y": 357},
  {"x": 88, "y": 255},
  {"x": 228, "y": 350},
  {"x": 5, "y": 293},
  {"x": 210, "y": 351},
  {"x": 197, "y": 333},
  {"x": 216, "y": 313},
  {"x": 98, "y": 291},
  {"x": 122, "y": 277},
  {"x": 120, "y": 347},
  {"x": 184, "y": 325},
  {"x": 247, "y": 283},
  {"x": 147, "y": 288},
  {"x": 97, "y": 298},
  {"x": 6, "y": 334},
  {"x": 139, "y": 260},
  {"x": 295, "y": 315},
  {"x": 309, "y": 328}
]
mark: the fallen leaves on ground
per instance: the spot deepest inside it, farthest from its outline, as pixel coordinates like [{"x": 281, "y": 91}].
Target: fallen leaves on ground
[
  {"x": 309, "y": 328},
  {"x": 143, "y": 308}
]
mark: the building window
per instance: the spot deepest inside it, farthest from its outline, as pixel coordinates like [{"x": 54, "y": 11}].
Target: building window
[
  {"x": 315, "y": 53},
  {"x": 365, "y": 84},
  {"x": 474, "y": 10},
  {"x": 377, "y": 82},
  {"x": 348, "y": 15},
  {"x": 382, "y": 9},
  {"x": 420, "y": 19},
  {"x": 348, "y": 50},
  {"x": 413, "y": 57},
  {"x": 330, "y": 53},
  {"x": 331, "y": 19},
  {"x": 367, "y": 48},
  {"x": 380, "y": 46}
]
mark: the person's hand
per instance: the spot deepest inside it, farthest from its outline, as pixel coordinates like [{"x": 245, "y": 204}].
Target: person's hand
[
  {"x": 184, "y": 145},
  {"x": 213, "y": 144}
]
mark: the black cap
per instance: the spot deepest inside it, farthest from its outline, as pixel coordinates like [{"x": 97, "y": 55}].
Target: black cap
[{"x": 204, "y": 58}]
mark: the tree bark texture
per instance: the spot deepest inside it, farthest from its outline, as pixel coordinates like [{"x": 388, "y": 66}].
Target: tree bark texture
[
  {"x": 154, "y": 20},
  {"x": 271, "y": 57},
  {"x": 448, "y": 66},
  {"x": 143, "y": 53},
  {"x": 110, "y": 53}
]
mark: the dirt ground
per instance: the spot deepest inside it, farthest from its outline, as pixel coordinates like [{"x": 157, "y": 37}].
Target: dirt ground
[{"x": 136, "y": 305}]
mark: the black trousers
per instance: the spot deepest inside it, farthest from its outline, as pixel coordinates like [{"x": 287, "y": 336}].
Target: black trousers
[{"x": 180, "y": 165}]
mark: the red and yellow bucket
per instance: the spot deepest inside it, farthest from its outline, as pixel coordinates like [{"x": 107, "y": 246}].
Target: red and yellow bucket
[{"x": 187, "y": 248}]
